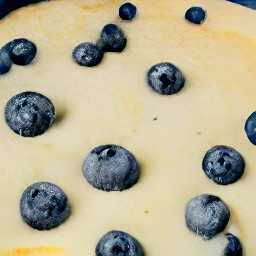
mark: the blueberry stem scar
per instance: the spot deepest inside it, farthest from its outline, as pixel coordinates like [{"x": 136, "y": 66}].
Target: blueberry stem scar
[
  {"x": 44, "y": 206},
  {"x": 111, "y": 168},
  {"x": 29, "y": 114}
]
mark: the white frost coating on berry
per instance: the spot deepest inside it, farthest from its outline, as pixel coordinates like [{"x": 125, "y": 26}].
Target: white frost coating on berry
[
  {"x": 22, "y": 51},
  {"x": 44, "y": 206},
  {"x": 87, "y": 54},
  {"x": 234, "y": 246},
  {"x": 223, "y": 164},
  {"x": 206, "y": 215},
  {"x": 5, "y": 61},
  {"x": 111, "y": 168},
  {"x": 29, "y": 114},
  {"x": 118, "y": 243},
  {"x": 165, "y": 78},
  {"x": 112, "y": 39}
]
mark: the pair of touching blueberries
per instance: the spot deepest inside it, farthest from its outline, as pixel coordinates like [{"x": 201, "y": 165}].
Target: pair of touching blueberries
[
  {"x": 112, "y": 39},
  {"x": 44, "y": 206},
  {"x": 19, "y": 51}
]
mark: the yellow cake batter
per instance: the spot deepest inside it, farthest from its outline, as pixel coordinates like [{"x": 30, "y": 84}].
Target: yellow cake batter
[{"x": 111, "y": 103}]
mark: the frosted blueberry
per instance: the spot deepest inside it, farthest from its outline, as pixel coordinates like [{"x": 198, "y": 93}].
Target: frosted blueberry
[
  {"x": 250, "y": 128},
  {"x": 111, "y": 168},
  {"x": 87, "y": 54},
  {"x": 234, "y": 247},
  {"x": 223, "y": 164},
  {"x": 5, "y": 61},
  {"x": 206, "y": 215},
  {"x": 44, "y": 206},
  {"x": 165, "y": 78},
  {"x": 112, "y": 39},
  {"x": 21, "y": 51},
  {"x": 29, "y": 114},
  {"x": 118, "y": 243}
]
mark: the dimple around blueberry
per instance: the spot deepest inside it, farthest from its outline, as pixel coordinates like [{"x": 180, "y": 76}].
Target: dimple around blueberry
[
  {"x": 44, "y": 206},
  {"x": 165, "y": 78},
  {"x": 111, "y": 168},
  {"x": 29, "y": 114},
  {"x": 223, "y": 164},
  {"x": 118, "y": 243},
  {"x": 206, "y": 215}
]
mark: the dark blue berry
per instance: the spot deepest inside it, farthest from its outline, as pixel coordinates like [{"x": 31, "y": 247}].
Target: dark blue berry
[
  {"x": 206, "y": 215},
  {"x": 29, "y": 114},
  {"x": 7, "y": 6},
  {"x": 234, "y": 247},
  {"x": 87, "y": 54},
  {"x": 165, "y": 78},
  {"x": 247, "y": 3},
  {"x": 118, "y": 243},
  {"x": 44, "y": 206},
  {"x": 127, "y": 11},
  {"x": 223, "y": 164},
  {"x": 250, "y": 128},
  {"x": 112, "y": 39},
  {"x": 5, "y": 61},
  {"x": 195, "y": 15},
  {"x": 111, "y": 168},
  {"x": 21, "y": 51}
]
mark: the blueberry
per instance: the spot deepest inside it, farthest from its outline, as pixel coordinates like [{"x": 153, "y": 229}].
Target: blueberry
[
  {"x": 87, "y": 54},
  {"x": 29, "y": 114},
  {"x": 44, "y": 206},
  {"x": 234, "y": 247},
  {"x": 112, "y": 39},
  {"x": 21, "y": 51},
  {"x": 118, "y": 243},
  {"x": 111, "y": 168},
  {"x": 247, "y": 3},
  {"x": 5, "y": 61},
  {"x": 223, "y": 164},
  {"x": 195, "y": 15},
  {"x": 165, "y": 78},
  {"x": 206, "y": 215},
  {"x": 250, "y": 128},
  {"x": 7, "y": 6},
  {"x": 127, "y": 11}
]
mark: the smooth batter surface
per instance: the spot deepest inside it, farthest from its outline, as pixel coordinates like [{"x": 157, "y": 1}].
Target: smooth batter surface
[{"x": 111, "y": 103}]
